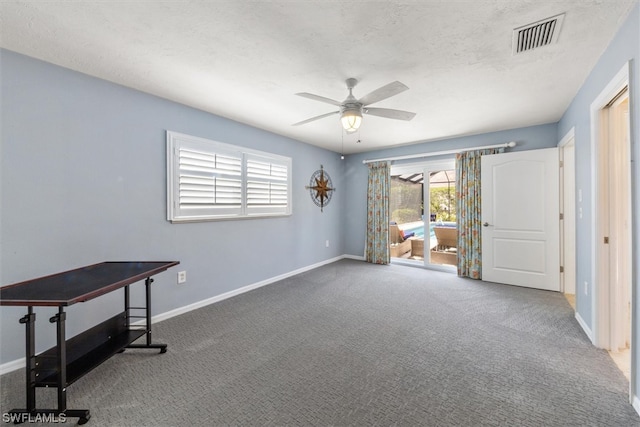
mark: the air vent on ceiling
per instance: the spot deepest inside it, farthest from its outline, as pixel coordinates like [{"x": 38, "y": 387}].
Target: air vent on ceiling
[{"x": 538, "y": 34}]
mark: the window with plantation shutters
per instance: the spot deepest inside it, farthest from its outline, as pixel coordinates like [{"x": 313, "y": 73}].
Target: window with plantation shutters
[
  {"x": 209, "y": 180},
  {"x": 267, "y": 189}
]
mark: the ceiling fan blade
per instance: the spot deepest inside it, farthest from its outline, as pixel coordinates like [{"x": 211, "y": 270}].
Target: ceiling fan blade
[
  {"x": 315, "y": 118},
  {"x": 384, "y": 92},
  {"x": 389, "y": 113},
  {"x": 319, "y": 98}
]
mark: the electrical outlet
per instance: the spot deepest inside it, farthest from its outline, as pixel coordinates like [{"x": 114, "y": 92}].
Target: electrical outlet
[
  {"x": 182, "y": 276},
  {"x": 326, "y": 243}
]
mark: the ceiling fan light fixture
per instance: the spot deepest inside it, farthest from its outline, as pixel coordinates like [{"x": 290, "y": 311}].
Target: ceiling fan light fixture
[
  {"x": 351, "y": 109},
  {"x": 351, "y": 119}
]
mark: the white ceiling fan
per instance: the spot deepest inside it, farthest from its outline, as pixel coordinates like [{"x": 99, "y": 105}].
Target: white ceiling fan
[{"x": 351, "y": 109}]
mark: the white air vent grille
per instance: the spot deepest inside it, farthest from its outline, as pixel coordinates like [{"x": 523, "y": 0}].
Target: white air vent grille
[{"x": 536, "y": 35}]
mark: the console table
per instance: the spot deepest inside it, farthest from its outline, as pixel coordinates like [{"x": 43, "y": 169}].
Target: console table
[{"x": 70, "y": 359}]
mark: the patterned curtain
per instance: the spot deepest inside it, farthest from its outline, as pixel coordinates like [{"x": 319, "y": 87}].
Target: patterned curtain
[
  {"x": 377, "y": 240},
  {"x": 469, "y": 215}
]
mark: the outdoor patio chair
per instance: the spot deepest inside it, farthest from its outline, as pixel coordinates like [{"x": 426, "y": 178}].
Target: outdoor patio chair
[
  {"x": 398, "y": 243},
  {"x": 447, "y": 238}
]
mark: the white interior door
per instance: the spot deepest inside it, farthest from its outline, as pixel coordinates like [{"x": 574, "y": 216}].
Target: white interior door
[
  {"x": 619, "y": 206},
  {"x": 520, "y": 217}
]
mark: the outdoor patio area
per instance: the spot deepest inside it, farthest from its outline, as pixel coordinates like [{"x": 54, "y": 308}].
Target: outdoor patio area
[
  {"x": 407, "y": 241},
  {"x": 423, "y": 216}
]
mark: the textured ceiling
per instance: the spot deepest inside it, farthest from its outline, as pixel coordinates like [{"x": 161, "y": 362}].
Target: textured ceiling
[{"x": 245, "y": 60}]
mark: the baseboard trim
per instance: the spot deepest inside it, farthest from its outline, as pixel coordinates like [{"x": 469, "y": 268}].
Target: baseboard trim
[
  {"x": 20, "y": 363},
  {"x": 12, "y": 366},
  {"x": 235, "y": 292},
  {"x": 584, "y": 327},
  {"x": 636, "y": 404}
]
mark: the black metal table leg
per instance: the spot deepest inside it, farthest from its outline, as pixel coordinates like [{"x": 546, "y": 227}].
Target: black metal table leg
[
  {"x": 31, "y": 414},
  {"x": 22, "y": 415},
  {"x": 127, "y": 306},
  {"x": 61, "y": 349},
  {"x": 30, "y": 352},
  {"x": 149, "y": 344}
]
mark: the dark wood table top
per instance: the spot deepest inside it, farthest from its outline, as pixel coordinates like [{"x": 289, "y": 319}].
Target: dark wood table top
[{"x": 81, "y": 284}]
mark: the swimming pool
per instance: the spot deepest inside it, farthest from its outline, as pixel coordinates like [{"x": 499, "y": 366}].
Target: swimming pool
[{"x": 418, "y": 228}]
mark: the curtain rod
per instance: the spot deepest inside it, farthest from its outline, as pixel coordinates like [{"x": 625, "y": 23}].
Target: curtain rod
[{"x": 439, "y": 153}]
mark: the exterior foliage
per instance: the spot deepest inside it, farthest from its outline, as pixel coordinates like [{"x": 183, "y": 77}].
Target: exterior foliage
[{"x": 442, "y": 201}]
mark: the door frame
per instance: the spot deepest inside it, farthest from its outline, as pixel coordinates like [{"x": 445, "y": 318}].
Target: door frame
[
  {"x": 425, "y": 166},
  {"x": 602, "y": 292},
  {"x": 568, "y": 212}
]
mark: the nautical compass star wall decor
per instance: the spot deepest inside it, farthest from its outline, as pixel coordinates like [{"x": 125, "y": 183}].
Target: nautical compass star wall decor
[{"x": 320, "y": 188}]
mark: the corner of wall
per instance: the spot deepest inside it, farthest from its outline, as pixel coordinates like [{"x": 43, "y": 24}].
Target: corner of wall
[
  {"x": 584, "y": 327},
  {"x": 636, "y": 403}
]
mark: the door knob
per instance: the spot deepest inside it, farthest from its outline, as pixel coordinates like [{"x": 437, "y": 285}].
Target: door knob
[{"x": 486, "y": 224}]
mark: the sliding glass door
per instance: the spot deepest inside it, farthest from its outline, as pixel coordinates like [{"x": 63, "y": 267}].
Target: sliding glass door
[{"x": 423, "y": 229}]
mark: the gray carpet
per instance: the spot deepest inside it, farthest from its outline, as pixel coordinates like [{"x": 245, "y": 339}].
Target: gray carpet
[{"x": 357, "y": 344}]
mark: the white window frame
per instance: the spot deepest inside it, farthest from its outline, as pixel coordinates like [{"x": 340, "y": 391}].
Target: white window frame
[{"x": 256, "y": 184}]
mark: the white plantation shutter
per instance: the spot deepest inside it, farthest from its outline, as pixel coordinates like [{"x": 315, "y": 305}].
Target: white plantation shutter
[
  {"x": 209, "y": 183},
  {"x": 267, "y": 185},
  {"x": 209, "y": 180}
]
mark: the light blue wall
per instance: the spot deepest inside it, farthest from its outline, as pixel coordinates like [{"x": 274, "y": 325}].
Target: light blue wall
[
  {"x": 83, "y": 180},
  {"x": 529, "y": 138},
  {"x": 623, "y": 48}
]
